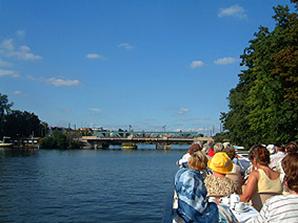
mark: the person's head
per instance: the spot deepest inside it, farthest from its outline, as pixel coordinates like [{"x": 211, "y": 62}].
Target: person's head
[
  {"x": 291, "y": 148},
  {"x": 220, "y": 163},
  {"x": 194, "y": 148},
  {"x": 226, "y": 145},
  {"x": 217, "y": 147},
  {"x": 259, "y": 155},
  {"x": 210, "y": 142},
  {"x": 279, "y": 147},
  {"x": 198, "y": 161},
  {"x": 230, "y": 151},
  {"x": 290, "y": 167}
]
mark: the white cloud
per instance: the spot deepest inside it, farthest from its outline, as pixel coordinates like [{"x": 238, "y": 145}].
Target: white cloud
[
  {"x": 59, "y": 82},
  {"x": 234, "y": 10},
  {"x": 95, "y": 56},
  {"x": 225, "y": 60},
  {"x": 8, "y": 49},
  {"x": 5, "y": 63},
  {"x": 126, "y": 46},
  {"x": 8, "y": 73},
  {"x": 183, "y": 110},
  {"x": 96, "y": 110},
  {"x": 196, "y": 64}
]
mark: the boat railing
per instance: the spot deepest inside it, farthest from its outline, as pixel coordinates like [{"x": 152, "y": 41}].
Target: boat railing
[{"x": 169, "y": 211}]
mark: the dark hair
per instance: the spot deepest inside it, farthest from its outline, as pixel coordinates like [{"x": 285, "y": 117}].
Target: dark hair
[
  {"x": 290, "y": 167},
  {"x": 230, "y": 151},
  {"x": 279, "y": 147},
  {"x": 194, "y": 148},
  {"x": 291, "y": 147},
  {"x": 260, "y": 154}
]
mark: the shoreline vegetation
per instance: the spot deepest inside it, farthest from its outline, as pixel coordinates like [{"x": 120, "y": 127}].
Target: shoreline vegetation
[{"x": 262, "y": 107}]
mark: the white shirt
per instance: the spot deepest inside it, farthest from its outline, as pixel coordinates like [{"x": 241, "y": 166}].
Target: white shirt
[
  {"x": 184, "y": 159},
  {"x": 276, "y": 159},
  {"x": 279, "y": 209}
]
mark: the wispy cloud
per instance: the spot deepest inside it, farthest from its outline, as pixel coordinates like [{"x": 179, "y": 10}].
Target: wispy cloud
[
  {"x": 234, "y": 10},
  {"x": 59, "y": 82},
  {"x": 196, "y": 64},
  {"x": 95, "y": 110},
  {"x": 23, "y": 52},
  {"x": 21, "y": 34},
  {"x": 183, "y": 110},
  {"x": 8, "y": 73},
  {"x": 17, "y": 93},
  {"x": 95, "y": 56},
  {"x": 5, "y": 63},
  {"x": 126, "y": 46},
  {"x": 225, "y": 60}
]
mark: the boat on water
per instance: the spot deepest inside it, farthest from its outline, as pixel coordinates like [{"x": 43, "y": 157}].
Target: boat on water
[
  {"x": 129, "y": 146},
  {"x": 5, "y": 143}
]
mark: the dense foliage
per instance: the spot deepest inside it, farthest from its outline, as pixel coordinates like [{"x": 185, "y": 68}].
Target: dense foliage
[
  {"x": 263, "y": 107},
  {"x": 61, "y": 140},
  {"x": 18, "y": 124}
]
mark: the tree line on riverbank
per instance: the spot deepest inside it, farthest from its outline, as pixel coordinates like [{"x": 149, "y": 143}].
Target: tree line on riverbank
[
  {"x": 19, "y": 125},
  {"x": 263, "y": 107}
]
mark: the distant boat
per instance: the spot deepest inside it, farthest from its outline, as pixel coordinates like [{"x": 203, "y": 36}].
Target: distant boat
[
  {"x": 4, "y": 143},
  {"x": 129, "y": 146}
]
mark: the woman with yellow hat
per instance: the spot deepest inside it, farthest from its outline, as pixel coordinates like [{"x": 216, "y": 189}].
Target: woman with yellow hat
[{"x": 217, "y": 184}]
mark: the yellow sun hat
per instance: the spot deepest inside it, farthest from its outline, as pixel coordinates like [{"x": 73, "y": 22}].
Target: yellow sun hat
[{"x": 220, "y": 163}]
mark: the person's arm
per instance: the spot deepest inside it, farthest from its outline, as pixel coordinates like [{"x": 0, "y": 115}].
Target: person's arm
[{"x": 250, "y": 187}]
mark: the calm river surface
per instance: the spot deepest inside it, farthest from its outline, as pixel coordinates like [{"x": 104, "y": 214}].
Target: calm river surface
[{"x": 86, "y": 185}]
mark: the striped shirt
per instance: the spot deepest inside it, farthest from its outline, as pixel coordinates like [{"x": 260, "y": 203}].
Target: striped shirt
[{"x": 281, "y": 209}]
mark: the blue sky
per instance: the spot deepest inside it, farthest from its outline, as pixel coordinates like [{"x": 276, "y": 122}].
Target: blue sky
[{"x": 117, "y": 63}]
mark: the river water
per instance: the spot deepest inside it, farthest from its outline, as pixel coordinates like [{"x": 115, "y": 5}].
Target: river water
[{"x": 86, "y": 185}]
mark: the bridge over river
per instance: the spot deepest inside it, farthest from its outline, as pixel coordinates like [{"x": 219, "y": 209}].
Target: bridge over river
[{"x": 130, "y": 140}]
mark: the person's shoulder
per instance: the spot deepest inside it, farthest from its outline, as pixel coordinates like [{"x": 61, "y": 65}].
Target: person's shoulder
[
  {"x": 280, "y": 200},
  {"x": 209, "y": 178},
  {"x": 182, "y": 170},
  {"x": 255, "y": 173}
]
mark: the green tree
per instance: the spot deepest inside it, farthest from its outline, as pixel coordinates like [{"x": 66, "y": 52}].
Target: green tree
[
  {"x": 5, "y": 108},
  {"x": 263, "y": 106},
  {"x": 22, "y": 124}
]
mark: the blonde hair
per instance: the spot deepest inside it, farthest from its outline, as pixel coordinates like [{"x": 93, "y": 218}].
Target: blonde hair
[{"x": 198, "y": 161}]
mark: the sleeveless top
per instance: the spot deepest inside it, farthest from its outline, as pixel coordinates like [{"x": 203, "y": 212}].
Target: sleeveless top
[{"x": 265, "y": 184}]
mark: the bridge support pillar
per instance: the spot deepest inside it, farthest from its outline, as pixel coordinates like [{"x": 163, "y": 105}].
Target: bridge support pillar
[
  {"x": 100, "y": 146},
  {"x": 163, "y": 146}
]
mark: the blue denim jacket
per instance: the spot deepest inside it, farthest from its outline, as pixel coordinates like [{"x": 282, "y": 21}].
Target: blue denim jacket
[{"x": 193, "y": 205}]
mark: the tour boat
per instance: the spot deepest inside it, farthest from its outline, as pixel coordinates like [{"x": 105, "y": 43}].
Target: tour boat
[{"x": 4, "y": 144}]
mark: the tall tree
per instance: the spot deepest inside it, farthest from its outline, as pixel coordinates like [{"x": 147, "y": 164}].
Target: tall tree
[
  {"x": 22, "y": 124},
  {"x": 263, "y": 107},
  {"x": 5, "y": 108}
]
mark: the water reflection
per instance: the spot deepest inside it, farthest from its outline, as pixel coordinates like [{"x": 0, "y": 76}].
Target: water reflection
[{"x": 17, "y": 152}]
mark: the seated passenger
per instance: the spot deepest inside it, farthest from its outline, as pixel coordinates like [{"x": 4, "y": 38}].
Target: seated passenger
[
  {"x": 290, "y": 148},
  {"x": 218, "y": 147},
  {"x": 192, "y": 149},
  {"x": 235, "y": 174},
  {"x": 276, "y": 158},
  {"x": 283, "y": 208},
  {"x": 262, "y": 178},
  {"x": 193, "y": 205},
  {"x": 217, "y": 184}
]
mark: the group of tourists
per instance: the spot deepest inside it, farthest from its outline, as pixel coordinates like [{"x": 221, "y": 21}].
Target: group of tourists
[{"x": 210, "y": 172}]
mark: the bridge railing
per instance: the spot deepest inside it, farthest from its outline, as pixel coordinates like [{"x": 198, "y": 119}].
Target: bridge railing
[{"x": 145, "y": 134}]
